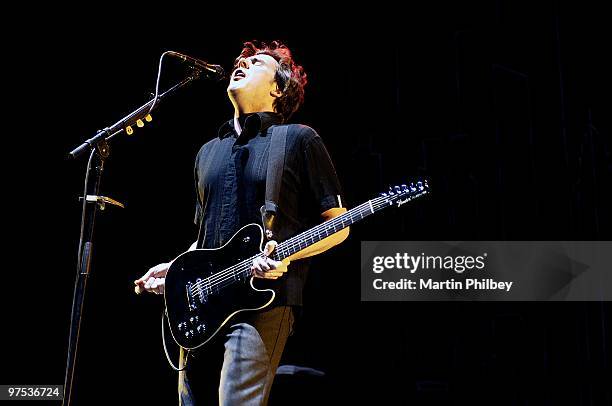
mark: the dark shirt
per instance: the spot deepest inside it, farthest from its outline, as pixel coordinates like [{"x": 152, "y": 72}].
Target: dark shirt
[{"x": 230, "y": 176}]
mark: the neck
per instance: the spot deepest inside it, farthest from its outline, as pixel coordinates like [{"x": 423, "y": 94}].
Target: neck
[
  {"x": 251, "y": 105},
  {"x": 242, "y": 110}
]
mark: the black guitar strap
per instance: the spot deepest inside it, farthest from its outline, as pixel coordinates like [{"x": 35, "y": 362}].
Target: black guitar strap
[{"x": 274, "y": 177}]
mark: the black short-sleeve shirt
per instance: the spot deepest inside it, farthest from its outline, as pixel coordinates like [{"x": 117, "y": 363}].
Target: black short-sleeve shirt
[{"x": 230, "y": 176}]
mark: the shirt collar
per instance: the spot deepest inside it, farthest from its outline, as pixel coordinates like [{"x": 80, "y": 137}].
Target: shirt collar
[{"x": 254, "y": 123}]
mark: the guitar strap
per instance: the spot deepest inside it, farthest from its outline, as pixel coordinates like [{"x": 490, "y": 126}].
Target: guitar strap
[{"x": 274, "y": 177}]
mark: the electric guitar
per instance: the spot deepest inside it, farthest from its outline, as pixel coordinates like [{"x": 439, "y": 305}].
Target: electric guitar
[{"x": 205, "y": 288}]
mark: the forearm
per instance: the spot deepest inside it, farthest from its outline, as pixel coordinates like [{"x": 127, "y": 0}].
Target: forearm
[
  {"x": 321, "y": 246},
  {"x": 191, "y": 248},
  {"x": 154, "y": 279},
  {"x": 325, "y": 243}
]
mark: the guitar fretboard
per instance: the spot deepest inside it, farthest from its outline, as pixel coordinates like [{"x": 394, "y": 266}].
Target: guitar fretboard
[{"x": 323, "y": 230}]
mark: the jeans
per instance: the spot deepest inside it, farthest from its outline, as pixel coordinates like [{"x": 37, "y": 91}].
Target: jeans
[{"x": 246, "y": 353}]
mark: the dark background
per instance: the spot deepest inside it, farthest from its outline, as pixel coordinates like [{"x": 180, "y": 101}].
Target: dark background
[{"x": 503, "y": 105}]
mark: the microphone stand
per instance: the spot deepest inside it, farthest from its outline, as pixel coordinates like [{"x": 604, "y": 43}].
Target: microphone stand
[{"x": 99, "y": 149}]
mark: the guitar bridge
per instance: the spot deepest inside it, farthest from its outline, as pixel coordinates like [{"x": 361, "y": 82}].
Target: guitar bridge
[
  {"x": 190, "y": 301},
  {"x": 196, "y": 293}
]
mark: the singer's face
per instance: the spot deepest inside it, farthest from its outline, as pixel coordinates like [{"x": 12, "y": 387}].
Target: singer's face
[{"x": 254, "y": 79}]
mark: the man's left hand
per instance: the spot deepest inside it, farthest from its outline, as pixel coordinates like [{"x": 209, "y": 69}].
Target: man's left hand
[{"x": 265, "y": 267}]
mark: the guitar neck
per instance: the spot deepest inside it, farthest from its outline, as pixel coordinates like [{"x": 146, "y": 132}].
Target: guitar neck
[
  {"x": 324, "y": 230},
  {"x": 304, "y": 240}
]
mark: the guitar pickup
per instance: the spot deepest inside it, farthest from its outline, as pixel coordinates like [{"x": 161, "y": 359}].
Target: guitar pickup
[
  {"x": 202, "y": 293},
  {"x": 196, "y": 293},
  {"x": 190, "y": 299}
]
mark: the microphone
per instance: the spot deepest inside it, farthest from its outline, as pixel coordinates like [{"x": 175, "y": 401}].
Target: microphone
[{"x": 214, "y": 71}]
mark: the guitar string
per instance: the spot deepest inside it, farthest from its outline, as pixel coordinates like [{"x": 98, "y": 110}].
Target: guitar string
[
  {"x": 287, "y": 246},
  {"x": 229, "y": 275},
  {"x": 220, "y": 277},
  {"x": 217, "y": 280},
  {"x": 234, "y": 272}
]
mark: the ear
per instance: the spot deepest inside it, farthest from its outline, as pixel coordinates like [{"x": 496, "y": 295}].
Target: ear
[{"x": 276, "y": 91}]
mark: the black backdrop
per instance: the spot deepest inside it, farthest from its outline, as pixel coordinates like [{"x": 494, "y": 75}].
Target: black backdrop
[{"x": 503, "y": 105}]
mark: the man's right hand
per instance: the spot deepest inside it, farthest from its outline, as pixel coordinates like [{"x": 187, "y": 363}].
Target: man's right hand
[{"x": 153, "y": 281}]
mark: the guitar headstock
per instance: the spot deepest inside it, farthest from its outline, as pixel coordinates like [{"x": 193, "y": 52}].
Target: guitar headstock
[{"x": 401, "y": 194}]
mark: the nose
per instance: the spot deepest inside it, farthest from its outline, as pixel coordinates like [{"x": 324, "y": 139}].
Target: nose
[{"x": 244, "y": 63}]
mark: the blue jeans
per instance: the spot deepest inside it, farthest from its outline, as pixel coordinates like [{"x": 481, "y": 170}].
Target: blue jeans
[{"x": 251, "y": 349}]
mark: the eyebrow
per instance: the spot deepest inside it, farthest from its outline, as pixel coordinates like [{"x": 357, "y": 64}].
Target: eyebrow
[
  {"x": 259, "y": 59},
  {"x": 255, "y": 58}
]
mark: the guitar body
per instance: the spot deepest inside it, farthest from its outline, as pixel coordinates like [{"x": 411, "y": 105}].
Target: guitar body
[{"x": 197, "y": 310}]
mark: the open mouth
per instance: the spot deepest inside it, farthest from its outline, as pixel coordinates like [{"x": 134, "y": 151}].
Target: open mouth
[{"x": 239, "y": 74}]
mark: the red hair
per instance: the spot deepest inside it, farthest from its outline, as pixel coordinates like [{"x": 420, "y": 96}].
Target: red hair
[{"x": 290, "y": 77}]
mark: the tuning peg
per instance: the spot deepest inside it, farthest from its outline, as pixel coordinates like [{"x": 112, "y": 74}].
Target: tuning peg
[
  {"x": 404, "y": 188},
  {"x": 398, "y": 190},
  {"x": 129, "y": 130},
  {"x": 391, "y": 191},
  {"x": 139, "y": 123},
  {"x": 412, "y": 187},
  {"x": 420, "y": 185},
  {"x": 148, "y": 118},
  {"x": 383, "y": 194}
]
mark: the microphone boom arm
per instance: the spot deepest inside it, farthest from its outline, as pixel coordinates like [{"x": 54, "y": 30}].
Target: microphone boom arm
[{"x": 130, "y": 119}]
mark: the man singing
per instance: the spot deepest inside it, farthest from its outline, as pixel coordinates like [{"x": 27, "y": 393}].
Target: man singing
[{"x": 265, "y": 88}]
